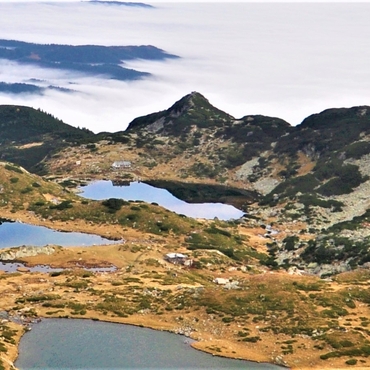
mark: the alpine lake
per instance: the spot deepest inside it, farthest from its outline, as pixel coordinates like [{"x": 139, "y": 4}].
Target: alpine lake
[
  {"x": 65, "y": 344},
  {"x": 141, "y": 191},
  {"x": 14, "y": 234}
]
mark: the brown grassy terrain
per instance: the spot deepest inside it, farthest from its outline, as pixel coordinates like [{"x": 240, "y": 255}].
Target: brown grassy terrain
[
  {"x": 262, "y": 315},
  {"x": 80, "y": 162},
  {"x": 248, "y": 323}
]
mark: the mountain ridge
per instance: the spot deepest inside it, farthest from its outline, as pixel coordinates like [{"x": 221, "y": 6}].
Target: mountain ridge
[
  {"x": 29, "y": 135},
  {"x": 183, "y": 107},
  {"x": 315, "y": 175}
]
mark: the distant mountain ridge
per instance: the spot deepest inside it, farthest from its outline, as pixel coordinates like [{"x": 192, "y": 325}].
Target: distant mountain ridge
[
  {"x": 26, "y": 88},
  {"x": 95, "y": 60}
]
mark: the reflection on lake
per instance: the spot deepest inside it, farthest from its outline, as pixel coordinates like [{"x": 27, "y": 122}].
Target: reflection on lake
[
  {"x": 84, "y": 344},
  {"x": 139, "y": 191},
  {"x": 14, "y": 234}
]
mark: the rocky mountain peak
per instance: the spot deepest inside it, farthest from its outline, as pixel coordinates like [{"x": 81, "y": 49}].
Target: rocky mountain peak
[
  {"x": 189, "y": 101},
  {"x": 191, "y": 110}
]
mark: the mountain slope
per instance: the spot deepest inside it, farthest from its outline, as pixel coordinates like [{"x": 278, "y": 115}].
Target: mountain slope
[
  {"x": 19, "y": 189},
  {"x": 29, "y": 135},
  {"x": 192, "y": 110},
  {"x": 312, "y": 181},
  {"x": 213, "y": 140}
]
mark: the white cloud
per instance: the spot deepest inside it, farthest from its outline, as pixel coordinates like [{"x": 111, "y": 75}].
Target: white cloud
[{"x": 286, "y": 60}]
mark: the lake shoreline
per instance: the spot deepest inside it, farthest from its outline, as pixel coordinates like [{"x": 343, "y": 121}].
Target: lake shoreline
[
  {"x": 204, "y": 340},
  {"x": 195, "y": 344}
]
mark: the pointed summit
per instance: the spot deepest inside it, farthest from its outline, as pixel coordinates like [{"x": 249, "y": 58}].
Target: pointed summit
[
  {"x": 191, "y": 110},
  {"x": 192, "y": 100}
]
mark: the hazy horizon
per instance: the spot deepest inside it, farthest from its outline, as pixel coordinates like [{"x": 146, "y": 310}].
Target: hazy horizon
[{"x": 287, "y": 60}]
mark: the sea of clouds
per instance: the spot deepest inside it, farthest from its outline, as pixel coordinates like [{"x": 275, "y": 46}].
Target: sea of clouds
[{"x": 287, "y": 60}]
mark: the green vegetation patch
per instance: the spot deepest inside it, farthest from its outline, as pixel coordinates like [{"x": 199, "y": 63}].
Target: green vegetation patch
[
  {"x": 358, "y": 149},
  {"x": 325, "y": 250},
  {"x": 24, "y": 125},
  {"x": 114, "y": 204},
  {"x": 7, "y": 335},
  {"x": 227, "y": 242},
  {"x": 13, "y": 168},
  {"x": 38, "y": 298}
]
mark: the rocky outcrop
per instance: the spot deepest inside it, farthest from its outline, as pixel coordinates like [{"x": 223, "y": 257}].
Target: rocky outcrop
[
  {"x": 328, "y": 269},
  {"x": 25, "y": 251}
]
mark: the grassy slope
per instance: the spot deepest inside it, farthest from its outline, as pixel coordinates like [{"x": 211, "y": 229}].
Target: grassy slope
[
  {"x": 268, "y": 313},
  {"x": 22, "y": 126}
]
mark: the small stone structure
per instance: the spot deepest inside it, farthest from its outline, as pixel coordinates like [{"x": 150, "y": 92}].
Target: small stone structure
[
  {"x": 221, "y": 281},
  {"x": 178, "y": 259},
  {"x": 121, "y": 164}
]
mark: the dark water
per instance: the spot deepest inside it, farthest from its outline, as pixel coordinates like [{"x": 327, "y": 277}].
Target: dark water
[
  {"x": 15, "y": 234},
  {"x": 139, "y": 191},
  {"x": 84, "y": 344},
  {"x": 14, "y": 266}
]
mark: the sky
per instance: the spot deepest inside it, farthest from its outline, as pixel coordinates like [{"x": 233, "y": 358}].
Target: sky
[{"x": 287, "y": 60}]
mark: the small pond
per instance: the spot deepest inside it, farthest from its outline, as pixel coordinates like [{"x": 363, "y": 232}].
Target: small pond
[
  {"x": 15, "y": 234},
  {"x": 84, "y": 344},
  {"x": 102, "y": 189},
  {"x": 14, "y": 266}
]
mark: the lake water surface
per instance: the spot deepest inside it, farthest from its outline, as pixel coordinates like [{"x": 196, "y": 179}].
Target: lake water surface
[
  {"x": 84, "y": 344},
  {"x": 99, "y": 190},
  {"x": 15, "y": 234}
]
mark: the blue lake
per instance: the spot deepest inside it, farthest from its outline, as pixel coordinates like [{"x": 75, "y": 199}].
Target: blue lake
[
  {"x": 66, "y": 344},
  {"x": 140, "y": 191},
  {"x": 15, "y": 234}
]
